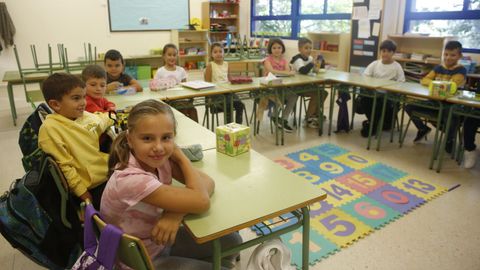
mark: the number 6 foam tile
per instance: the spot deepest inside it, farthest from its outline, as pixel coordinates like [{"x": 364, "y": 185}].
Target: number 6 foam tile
[
  {"x": 319, "y": 246},
  {"x": 288, "y": 163},
  {"x": 396, "y": 199},
  {"x": 354, "y": 161},
  {"x": 340, "y": 227},
  {"x": 371, "y": 212},
  {"x": 420, "y": 188}
]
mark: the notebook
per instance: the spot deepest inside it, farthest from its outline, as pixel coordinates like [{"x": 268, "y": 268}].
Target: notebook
[{"x": 197, "y": 85}]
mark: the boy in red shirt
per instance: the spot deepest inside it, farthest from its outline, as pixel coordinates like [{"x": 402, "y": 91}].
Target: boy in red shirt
[{"x": 95, "y": 79}]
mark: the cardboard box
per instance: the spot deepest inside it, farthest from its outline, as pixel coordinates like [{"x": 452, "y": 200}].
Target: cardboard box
[{"x": 233, "y": 139}]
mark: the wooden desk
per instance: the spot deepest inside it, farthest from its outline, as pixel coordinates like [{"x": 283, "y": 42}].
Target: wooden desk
[{"x": 249, "y": 189}]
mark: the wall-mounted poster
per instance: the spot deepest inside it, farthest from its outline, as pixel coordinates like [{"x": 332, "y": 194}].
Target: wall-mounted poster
[{"x": 148, "y": 15}]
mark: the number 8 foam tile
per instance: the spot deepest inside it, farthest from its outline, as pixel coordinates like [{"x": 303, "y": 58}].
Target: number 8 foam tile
[
  {"x": 384, "y": 172},
  {"x": 354, "y": 161},
  {"x": 288, "y": 163},
  {"x": 420, "y": 188},
  {"x": 396, "y": 199},
  {"x": 371, "y": 212},
  {"x": 340, "y": 227},
  {"x": 319, "y": 246}
]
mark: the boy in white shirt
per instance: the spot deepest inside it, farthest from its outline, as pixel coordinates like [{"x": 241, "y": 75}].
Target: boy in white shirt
[{"x": 385, "y": 68}]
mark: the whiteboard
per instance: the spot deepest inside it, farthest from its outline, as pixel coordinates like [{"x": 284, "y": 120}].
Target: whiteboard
[{"x": 148, "y": 15}]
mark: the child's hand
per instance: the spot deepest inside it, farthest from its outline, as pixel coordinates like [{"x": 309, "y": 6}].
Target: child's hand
[
  {"x": 86, "y": 196},
  {"x": 178, "y": 156},
  {"x": 114, "y": 86},
  {"x": 165, "y": 231}
]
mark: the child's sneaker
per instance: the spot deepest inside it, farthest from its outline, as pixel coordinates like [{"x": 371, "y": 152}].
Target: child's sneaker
[
  {"x": 286, "y": 127},
  {"x": 469, "y": 159},
  {"x": 312, "y": 122}
]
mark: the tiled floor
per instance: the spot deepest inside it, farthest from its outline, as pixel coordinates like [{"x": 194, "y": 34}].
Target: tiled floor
[{"x": 442, "y": 234}]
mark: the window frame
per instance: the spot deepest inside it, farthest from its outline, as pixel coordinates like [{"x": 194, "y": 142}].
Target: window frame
[
  {"x": 464, "y": 14},
  {"x": 295, "y": 17}
]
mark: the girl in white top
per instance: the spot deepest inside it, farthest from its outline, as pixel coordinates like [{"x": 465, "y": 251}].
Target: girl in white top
[
  {"x": 171, "y": 70},
  {"x": 217, "y": 72}
]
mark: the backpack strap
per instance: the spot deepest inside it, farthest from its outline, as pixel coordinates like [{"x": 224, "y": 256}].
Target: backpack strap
[{"x": 108, "y": 243}]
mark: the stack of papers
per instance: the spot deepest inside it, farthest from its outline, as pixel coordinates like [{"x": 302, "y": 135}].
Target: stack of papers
[{"x": 198, "y": 85}]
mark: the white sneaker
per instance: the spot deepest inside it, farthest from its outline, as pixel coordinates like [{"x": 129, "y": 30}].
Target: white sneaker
[
  {"x": 312, "y": 122},
  {"x": 469, "y": 159}
]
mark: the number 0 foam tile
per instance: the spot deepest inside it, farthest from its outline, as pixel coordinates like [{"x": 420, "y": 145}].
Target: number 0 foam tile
[
  {"x": 371, "y": 212},
  {"x": 319, "y": 246},
  {"x": 288, "y": 163},
  {"x": 340, "y": 227},
  {"x": 420, "y": 188},
  {"x": 396, "y": 198}
]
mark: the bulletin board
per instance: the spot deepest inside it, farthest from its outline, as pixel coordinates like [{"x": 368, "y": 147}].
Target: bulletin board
[
  {"x": 366, "y": 31},
  {"x": 148, "y": 15}
]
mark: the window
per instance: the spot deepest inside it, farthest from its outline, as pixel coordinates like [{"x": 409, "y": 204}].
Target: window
[
  {"x": 460, "y": 18},
  {"x": 294, "y": 18}
]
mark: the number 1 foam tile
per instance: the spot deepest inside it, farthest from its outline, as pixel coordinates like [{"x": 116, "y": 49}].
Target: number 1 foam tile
[
  {"x": 384, "y": 172},
  {"x": 319, "y": 247},
  {"x": 329, "y": 150},
  {"x": 288, "y": 163},
  {"x": 337, "y": 193},
  {"x": 420, "y": 188},
  {"x": 371, "y": 212},
  {"x": 354, "y": 161},
  {"x": 396, "y": 198},
  {"x": 339, "y": 227}
]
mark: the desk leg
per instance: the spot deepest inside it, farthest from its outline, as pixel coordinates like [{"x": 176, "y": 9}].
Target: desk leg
[
  {"x": 12, "y": 103},
  {"x": 330, "y": 114},
  {"x": 372, "y": 119},
  {"x": 435, "y": 142},
  {"x": 217, "y": 254},
  {"x": 444, "y": 141},
  {"x": 321, "y": 108},
  {"x": 380, "y": 124},
  {"x": 306, "y": 238}
]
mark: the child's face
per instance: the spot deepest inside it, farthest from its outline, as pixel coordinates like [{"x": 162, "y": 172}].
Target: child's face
[
  {"x": 114, "y": 68},
  {"x": 170, "y": 57},
  {"x": 217, "y": 53},
  {"x": 96, "y": 87},
  {"x": 277, "y": 50},
  {"x": 451, "y": 57},
  {"x": 72, "y": 104},
  {"x": 152, "y": 141},
  {"x": 387, "y": 56},
  {"x": 306, "y": 49}
]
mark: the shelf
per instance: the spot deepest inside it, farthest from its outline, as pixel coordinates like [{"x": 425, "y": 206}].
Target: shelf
[
  {"x": 192, "y": 42},
  {"x": 223, "y": 3},
  {"x": 223, "y": 18},
  {"x": 325, "y": 51},
  {"x": 433, "y": 62}
]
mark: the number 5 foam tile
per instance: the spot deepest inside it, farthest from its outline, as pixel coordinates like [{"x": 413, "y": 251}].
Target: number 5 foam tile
[
  {"x": 420, "y": 188},
  {"x": 319, "y": 246},
  {"x": 337, "y": 193},
  {"x": 340, "y": 227},
  {"x": 371, "y": 212},
  {"x": 288, "y": 163},
  {"x": 360, "y": 181},
  {"x": 354, "y": 161},
  {"x": 396, "y": 198},
  {"x": 329, "y": 150},
  {"x": 384, "y": 172}
]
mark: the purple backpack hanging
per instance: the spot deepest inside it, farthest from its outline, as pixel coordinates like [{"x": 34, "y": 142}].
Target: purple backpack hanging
[{"x": 98, "y": 255}]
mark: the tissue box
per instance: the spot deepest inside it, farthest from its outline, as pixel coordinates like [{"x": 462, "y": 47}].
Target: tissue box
[
  {"x": 233, "y": 139},
  {"x": 442, "y": 88},
  {"x": 270, "y": 80}
]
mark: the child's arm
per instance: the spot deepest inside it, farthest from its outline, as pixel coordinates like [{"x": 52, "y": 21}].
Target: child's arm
[
  {"x": 428, "y": 78},
  {"x": 113, "y": 86},
  {"x": 208, "y": 73},
  {"x": 165, "y": 231},
  {"x": 458, "y": 79},
  {"x": 206, "y": 180},
  {"x": 110, "y": 106},
  {"x": 136, "y": 84},
  {"x": 302, "y": 69}
]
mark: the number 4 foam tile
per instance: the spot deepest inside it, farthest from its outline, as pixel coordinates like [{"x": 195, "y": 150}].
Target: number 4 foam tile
[
  {"x": 288, "y": 163},
  {"x": 337, "y": 193},
  {"x": 319, "y": 246},
  {"x": 420, "y": 188},
  {"x": 339, "y": 227},
  {"x": 371, "y": 212}
]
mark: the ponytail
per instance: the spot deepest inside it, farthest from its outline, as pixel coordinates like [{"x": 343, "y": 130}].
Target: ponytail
[{"x": 119, "y": 154}]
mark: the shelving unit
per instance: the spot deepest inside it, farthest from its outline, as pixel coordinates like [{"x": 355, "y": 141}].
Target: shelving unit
[
  {"x": 222, "y": 13},
  {"x": 192, "y": 48},
  {"x": 334, "y": 47}
]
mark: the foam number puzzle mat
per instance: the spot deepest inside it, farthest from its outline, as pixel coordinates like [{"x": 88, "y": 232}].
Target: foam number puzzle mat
[{"x": 362, "y": 196}]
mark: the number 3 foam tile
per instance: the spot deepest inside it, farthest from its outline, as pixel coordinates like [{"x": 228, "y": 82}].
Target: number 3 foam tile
[
  {"x": 371, "y": 212},
  {"x": 384, "y": 172},
  {"x": 396, "y": 199},
  {"x": 420, "y": 188},
  {"x": 354, "y": 161},
  {"x": 340, "y": 227},
  {"x": 337, "y": 193},
  {"x": 329, "y": 150},
  {"x": 288, "y": 163},
  {"x": 319, "y": 246}
]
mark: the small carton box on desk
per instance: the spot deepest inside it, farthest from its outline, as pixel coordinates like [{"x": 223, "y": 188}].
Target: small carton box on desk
[{"x": 233, "y": 139}]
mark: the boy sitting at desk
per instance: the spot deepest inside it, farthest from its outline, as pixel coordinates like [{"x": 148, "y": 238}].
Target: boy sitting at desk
[
  {"x": 385, "y": 68},
  {"x": 71, "y": 136},
  {"x": 95, "y": 79},
  {"x": 116, "y": 78},
  {"x": 450, "y": 70}
]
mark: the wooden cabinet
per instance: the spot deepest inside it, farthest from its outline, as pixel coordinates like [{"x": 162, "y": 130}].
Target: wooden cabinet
[
  {"x": 220, "y": 18},
  {"x": 192, "y": 48},
  {"x": 334, "y": 47},
  {"x": 419, "y": 49}
]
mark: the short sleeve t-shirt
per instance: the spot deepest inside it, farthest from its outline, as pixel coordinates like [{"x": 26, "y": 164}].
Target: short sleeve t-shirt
[
  {"x": 392, "y": 71},
  {"x": 179, "y": 74},
  {"x": 122, "y": 201},
  {"x": 124, "y": 79},
  {"x": 277, "y": 65}
]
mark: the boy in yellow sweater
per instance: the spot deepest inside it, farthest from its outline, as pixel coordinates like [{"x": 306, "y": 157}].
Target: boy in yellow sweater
[{"x": 71, "y": 135}]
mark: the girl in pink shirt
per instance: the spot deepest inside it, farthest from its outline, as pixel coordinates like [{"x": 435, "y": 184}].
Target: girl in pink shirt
[{"x": 140, "y": 199}]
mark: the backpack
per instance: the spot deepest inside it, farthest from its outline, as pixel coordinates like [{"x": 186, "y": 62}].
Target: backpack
[
  {"x": 31, "y": 219},
  {"x": 28, "y": 137}
]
